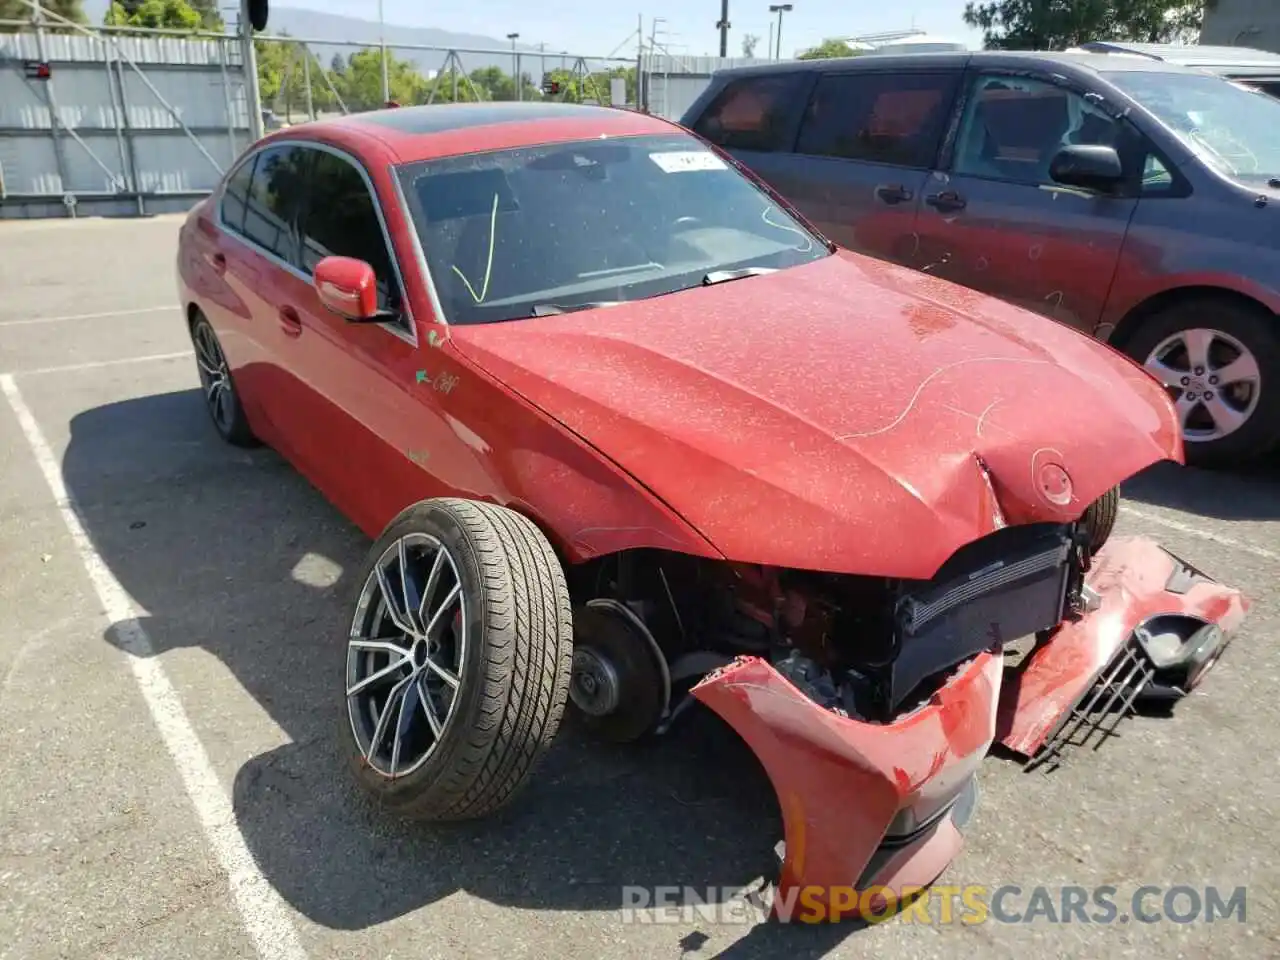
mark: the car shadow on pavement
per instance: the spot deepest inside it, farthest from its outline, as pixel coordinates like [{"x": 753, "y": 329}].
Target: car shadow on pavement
[
  {"x": 232, "y": 553},
  {"x": 1244, "y": 493}
]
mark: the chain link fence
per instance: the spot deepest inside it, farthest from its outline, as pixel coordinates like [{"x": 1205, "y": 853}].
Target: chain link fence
[
  {"x": 114, "y": 120},
  {"x": 305, "y": 78}
]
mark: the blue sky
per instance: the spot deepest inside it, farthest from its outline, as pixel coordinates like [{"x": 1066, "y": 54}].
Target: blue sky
[{"x": 591, "y": 27}]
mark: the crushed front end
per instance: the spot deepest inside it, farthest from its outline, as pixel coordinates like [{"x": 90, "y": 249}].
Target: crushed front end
[
  {"x": 872, "y": 702},
  {"x": 872, "y": 734}
]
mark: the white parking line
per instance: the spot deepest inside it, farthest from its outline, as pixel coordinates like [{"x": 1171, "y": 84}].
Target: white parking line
[
  {"x": 1197, "y": 532},
  {"x": 94, "y": 364},
  {"x": 265, "y": 916},
  {"x": 92, "y": 316}
]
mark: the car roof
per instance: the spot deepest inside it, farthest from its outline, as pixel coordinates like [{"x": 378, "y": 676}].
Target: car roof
[
  {"x": 409, "y": 134},
  {"x": 1078, "y": 60}
]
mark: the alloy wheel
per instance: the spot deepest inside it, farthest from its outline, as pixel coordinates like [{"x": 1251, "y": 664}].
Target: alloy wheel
[
  {"x": 405, "y": 655},
  {"x": 1213, "y": 379},
  {"x": 215, "y": 377}
]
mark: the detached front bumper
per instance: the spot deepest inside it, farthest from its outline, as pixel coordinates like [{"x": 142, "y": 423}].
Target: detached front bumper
[
  {"x": 868, "y": 806},
  {"x": 1157, "y": 626},
  {"x": 863, "y": 805}
]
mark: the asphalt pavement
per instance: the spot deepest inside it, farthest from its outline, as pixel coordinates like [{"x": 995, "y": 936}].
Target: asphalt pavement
[{"x": 170, "y": 784}]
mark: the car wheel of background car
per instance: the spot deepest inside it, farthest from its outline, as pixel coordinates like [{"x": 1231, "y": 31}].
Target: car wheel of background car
[
  {"x": 458, "y": 659},
  {"x": 617, "y": 685},
  {"x": 1220, "y": 360},
  {"x": 1100, "y": 518},
  {"x": 220, "y": 397}
]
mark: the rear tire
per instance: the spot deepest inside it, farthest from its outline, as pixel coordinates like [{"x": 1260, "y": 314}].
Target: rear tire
[
  {"x": 221, "y": 399},
  {"x": 506, "y": 641},
  {"x": 1229, "y": 326}
]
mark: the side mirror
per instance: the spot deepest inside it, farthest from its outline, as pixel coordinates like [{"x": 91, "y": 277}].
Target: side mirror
[
  {"x": 1090, "y": 166},
  {"x": 348, "y": 287}
]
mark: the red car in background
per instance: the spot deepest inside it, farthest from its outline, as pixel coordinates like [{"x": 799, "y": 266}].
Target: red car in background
[{"x": 630, "y": 433}]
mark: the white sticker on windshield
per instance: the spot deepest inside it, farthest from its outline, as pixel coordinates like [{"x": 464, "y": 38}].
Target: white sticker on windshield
[{"x": 683, "y": 161}]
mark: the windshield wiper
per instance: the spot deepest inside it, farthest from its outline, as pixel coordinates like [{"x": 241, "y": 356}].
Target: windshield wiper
[
  {"x": 551, "y": 309},
  {"x": 720, "y": 276}
]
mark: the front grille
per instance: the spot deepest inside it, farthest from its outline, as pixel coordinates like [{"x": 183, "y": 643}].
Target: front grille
[
  {"x": 994, "y": 591},
  {"x": 1095, "y": 718}
]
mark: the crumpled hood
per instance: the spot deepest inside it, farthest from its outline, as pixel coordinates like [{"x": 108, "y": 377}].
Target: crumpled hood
[{"x": 848, "y": 415}]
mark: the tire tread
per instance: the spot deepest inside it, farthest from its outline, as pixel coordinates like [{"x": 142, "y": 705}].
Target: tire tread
[{"x": 527, "y": 633}]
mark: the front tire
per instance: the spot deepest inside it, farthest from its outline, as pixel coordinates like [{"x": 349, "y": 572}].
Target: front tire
[
  {"x": 1100, "y": 518},
  {"x": 1220, "y": 361},
  {"x": 454, "y": 697}
]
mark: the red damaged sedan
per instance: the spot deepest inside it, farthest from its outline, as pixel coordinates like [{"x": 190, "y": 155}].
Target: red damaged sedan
[{"x": 630, "y": 433}]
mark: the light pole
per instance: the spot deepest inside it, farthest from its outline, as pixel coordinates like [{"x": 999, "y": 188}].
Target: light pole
[
  {"x": 779, "y": 9},
  {"x": 248, "y": 55},
  {"x": 723, "y": 25},
  {"x": 382, "y": 42},
  {"x": 515, "y": 65}
]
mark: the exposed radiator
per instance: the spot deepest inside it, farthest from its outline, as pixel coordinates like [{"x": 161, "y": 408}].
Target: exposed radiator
[{"x": 1006, "y": 586}]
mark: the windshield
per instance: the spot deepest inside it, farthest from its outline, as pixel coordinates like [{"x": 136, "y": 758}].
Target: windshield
[
  {"x": 1231, "y": 128},
  {"x": 518, "y": 233}
]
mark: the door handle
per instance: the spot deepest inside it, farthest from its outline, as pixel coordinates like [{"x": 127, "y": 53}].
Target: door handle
[
  {"x": 290, "y": 322},
  {"x": 893, "y": 193},
  {"x": 946, "y": 201},
  {"x": 220, "y": 262}
]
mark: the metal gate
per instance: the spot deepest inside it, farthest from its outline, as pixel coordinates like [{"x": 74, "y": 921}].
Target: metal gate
[
  {"x": 98, "y": 122},
  {"x": 118, "y": 121}
]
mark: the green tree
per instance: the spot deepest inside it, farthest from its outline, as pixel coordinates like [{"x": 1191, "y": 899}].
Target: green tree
[
  {"x": 828, "y": 49},
  {"x": 168, "y": 14},
  {"x": 500, "y": 86},
  {"x": 360, "y": 83},
  {"x": 282, "y": 78},
  {"x": 443, "y": 85},
  {"x": 17, "y": 10},
  {"x": 569, "y": 90},
  {"x": 1056, "y": 25},
  {"x": 210, "y": 18},
  {"x": 271, "y": 57},
  {"x": 574, "y": 88},
  {"x": 749, "y": 43}
]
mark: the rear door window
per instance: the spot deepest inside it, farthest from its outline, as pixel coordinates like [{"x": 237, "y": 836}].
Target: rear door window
[
  {"x": 892, "y": 118},
  {"x": 272, "y": 204},
  {"x": 753, "y": 113},
  {"x": 236, "y": 195}
]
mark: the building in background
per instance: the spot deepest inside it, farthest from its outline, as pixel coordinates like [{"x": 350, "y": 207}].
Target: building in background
[
  {"x": 1242, "y": 23},
  {"x": 903, "y": 41}
]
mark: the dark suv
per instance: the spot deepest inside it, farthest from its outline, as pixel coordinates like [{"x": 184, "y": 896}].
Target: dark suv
[{"x": 1132, "y": 198}]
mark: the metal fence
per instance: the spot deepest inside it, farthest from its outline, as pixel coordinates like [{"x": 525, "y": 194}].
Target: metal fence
[
  {"x": 113, "y": 121},
  {"x": 306, "y": 87},
  {"x": 117, "y": 124}
]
